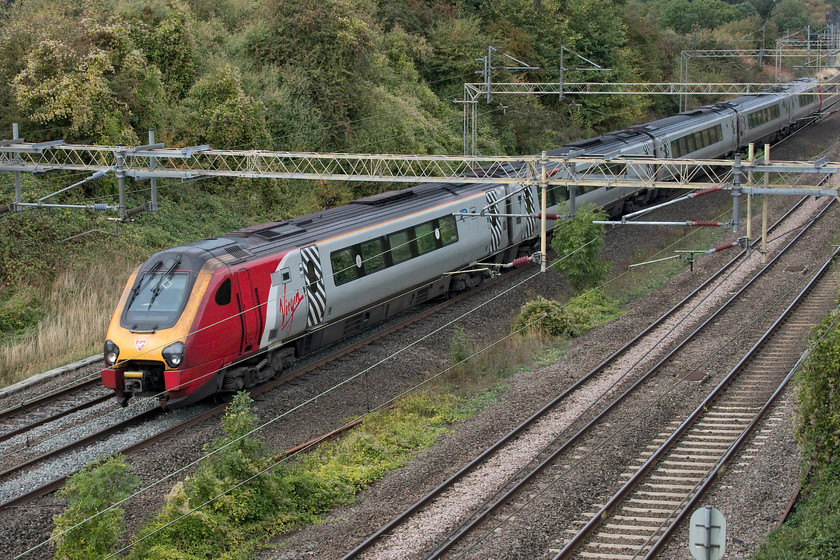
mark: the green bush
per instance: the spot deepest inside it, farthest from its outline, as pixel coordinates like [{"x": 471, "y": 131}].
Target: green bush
[
  {"x": 818, "y": 399},
  {"x": 89, "y": 493},
  {"x": 20, "y": 309},
  {"x": 577, "y": 242},
  {"x": 212, "y": 514},
  {"x": 570, "y": 320},
  {"x": 811, "y": 532},
  {"x": 460, "y": 345},
  {"x": 229, "y": 513}
]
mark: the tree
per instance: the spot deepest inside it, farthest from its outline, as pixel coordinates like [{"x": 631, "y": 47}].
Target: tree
[
  {"x": 220, "y": 112},
  {"x": 789, "y": 15},
  {"x": 60, "y": 86},
  {"x": 684, "y": 16},
  {"x": 577, "y": 242}
]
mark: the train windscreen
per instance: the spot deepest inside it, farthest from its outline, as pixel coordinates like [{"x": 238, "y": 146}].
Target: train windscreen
[{"x": 156, "y": 301}]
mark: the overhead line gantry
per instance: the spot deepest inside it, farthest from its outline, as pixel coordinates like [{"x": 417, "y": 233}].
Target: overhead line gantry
[
  {"x": 199, "y": 162},
  {"x": 155, "y": 161}
]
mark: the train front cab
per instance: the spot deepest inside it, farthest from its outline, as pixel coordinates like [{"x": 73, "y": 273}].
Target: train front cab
[{"x": 156, "y": 346}]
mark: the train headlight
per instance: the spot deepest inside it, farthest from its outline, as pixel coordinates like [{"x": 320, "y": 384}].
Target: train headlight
[
  {"x": 174, "y": 354},
  {"x": 112, "y": 352}
]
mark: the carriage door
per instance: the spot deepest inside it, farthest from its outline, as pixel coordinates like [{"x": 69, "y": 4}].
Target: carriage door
[
  {"x": 248, "y": 310},
  {"x": 316, "y": 296}
]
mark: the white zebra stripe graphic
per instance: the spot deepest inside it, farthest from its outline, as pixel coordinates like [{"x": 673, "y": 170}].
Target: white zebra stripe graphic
[
  {"x": 531, "y": 209},
  {"x": 495, "y": 221},
  {"x": 315, "y": 292}
]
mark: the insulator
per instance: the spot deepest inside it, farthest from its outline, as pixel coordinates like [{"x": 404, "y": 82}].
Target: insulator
[
  {"x": 706, "y": 224},
  {"x": 705, "y": 191},
  {"x": 548, "y": 216},
  {"x": 136, "y": 210},
  {"x": 99, "y": 174},
  {"x": 725, "y": 246},
  {"x": 520, "y": 262},
  {"x": 101, "y": 207}
]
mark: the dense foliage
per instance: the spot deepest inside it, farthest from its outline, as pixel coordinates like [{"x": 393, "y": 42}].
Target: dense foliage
[
  {"x": 577, "y": 242},
  {"x": 339, "y": 75},
  {"x": 818, "y": 399},
  {"x": 567, "y": 320},
  {"x": 89, "y": 526},
  {"x": 241, "y": 495}
]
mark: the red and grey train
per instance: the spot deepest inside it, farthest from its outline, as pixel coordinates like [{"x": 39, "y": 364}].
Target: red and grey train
[{"x": 219, "y": 315}]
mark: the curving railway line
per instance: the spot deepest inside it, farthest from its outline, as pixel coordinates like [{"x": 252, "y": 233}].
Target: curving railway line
[
  {"x": 20, "y": 453},
  {"x": 632, "y": 390},
  {"x": 460, "y": 545}
]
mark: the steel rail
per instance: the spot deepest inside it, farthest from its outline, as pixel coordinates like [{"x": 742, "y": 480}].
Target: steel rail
[
  {"x": 56, "y": 416},
  {"x": 136, "y": 419},
  {"x": 466, "y": 469},
  {"x": 46, "y": 398},
  {"x": 477, "y": 519},
  {"x": 625, "y": 490}
]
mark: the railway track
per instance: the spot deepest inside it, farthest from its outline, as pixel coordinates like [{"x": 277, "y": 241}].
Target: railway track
[
  {"x": 571, "y": 442},
  {"x": 49, "y": 407},
  {"x": 13, "y": 464},
  {"x": 667, "y": 485}
]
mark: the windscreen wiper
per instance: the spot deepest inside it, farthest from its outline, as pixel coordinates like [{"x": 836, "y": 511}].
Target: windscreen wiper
[
  {"x": 145, "y": 279},
  {"x": 169, "y": 273}
]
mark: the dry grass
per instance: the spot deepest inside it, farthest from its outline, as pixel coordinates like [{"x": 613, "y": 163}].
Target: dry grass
[
  {"x": 494, "y": 364},
  {"x": 78, "y": 307}
]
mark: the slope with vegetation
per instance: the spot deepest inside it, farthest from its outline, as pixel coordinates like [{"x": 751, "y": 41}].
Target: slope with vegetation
[
  {"x": 339, "y": 75},
  {"x": 334, "y": 75}
]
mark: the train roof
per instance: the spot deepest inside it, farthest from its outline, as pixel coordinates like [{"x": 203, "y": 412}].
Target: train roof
[
  {"x": 357, "y": 214},
  {"x": 366, "y": 212}
]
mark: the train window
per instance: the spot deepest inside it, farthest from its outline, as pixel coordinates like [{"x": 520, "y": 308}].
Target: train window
[
  {"x": 158, "y": 302},
  {"x": 373, "y": 255},
  {"x": 689, "y": 142},
  {"x": 223, "y": 293},
  {"x": 707, "y": 137},
  {"x": 448, "y": 230},
  {"x": 561, "y": 193},
  {"x": 400, "y": 243},
  {"x": 344, "y": 266},
  {"x": 425, "y": 235},
  {"x": 682, "y": 147}
]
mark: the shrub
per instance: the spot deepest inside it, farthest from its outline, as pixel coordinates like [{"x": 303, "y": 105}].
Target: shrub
[
  {"x": 228, "y": 512},
  {"x": 212, "y": 514},
  {"x": 89, "y": 493},
  {"x": 811, "y": 532},
  {"x": 570, "y": 320},
  {"x": 818, "y": 399},
  {"x": 19, "y": 310},
  {"x": 460, "y": 345},
  {"x": 577, "y": 242}
]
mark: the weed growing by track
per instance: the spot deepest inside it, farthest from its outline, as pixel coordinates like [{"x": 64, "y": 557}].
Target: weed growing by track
[
  {"x": 89, "y": 491},
  {"x": 214, "y": 514}
]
